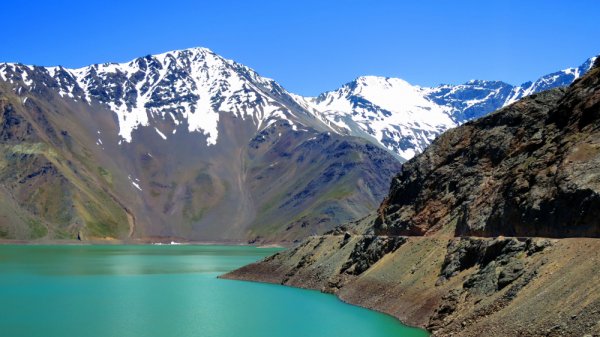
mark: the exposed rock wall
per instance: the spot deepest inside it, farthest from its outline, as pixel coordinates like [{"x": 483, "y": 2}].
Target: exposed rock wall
[{"x": 531, "y": 169}]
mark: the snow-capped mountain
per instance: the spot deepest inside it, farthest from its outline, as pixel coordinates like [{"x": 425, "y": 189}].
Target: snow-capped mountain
[
  {"x": 477, "y": 98},
  {"x": 183, "y": 144},
  {"x": 186, "y": 87},
  {"x": 405, "y": 118},
  {"x": 389, "y": 111}
]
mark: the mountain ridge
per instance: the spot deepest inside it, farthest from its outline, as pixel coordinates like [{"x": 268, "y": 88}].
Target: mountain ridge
[
  {"x": 176, "y": 140},
  {"x": 192, "y": 85},
  {"x": 428, "y": 110}
]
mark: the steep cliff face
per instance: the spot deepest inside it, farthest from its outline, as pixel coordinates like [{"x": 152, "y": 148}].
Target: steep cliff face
[
  {"x": 461, "y": 244},
  {"x": 530, "y": 169}
]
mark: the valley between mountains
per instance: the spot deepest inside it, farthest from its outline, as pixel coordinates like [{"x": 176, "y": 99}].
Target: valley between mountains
[{"x": 189, "y": 146}]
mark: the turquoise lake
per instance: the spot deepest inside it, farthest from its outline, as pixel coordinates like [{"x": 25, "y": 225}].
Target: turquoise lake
[{"x": 146, "y": 291}]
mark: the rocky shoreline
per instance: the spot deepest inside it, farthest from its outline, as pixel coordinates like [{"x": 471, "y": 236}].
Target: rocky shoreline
[{"x": 450, "y": 286}]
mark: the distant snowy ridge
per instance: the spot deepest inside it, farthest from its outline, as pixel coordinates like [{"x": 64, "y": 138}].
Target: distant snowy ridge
[
  {"x": 405, "y": 118},
  {"x": 398, "y": 115},
  {"x": 192, "y": 87}
]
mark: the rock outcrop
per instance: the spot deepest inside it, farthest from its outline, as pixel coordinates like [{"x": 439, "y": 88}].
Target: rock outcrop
[{"x": 531, "y": 169}]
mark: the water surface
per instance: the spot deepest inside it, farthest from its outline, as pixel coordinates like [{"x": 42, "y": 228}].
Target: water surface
[{"x": 147, "y": 291}]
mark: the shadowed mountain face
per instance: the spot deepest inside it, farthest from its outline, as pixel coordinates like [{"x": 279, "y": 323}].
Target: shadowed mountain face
[{"x": 530, "y": 169}]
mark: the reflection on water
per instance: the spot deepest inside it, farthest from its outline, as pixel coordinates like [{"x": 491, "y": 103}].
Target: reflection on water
[{"x": 124, "y": 260}]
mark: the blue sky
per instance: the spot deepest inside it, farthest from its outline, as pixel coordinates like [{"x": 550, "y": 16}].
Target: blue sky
[{"x": 313, "y": 46}]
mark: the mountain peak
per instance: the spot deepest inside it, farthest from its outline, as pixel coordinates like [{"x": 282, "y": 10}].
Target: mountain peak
[
  {"x": 379, "y": 81},
  {"x": 188, "y": 87},
  {"x": 405, "y": 118}
]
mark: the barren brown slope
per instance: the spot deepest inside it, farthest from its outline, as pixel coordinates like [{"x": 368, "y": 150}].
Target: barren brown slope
[
  {"x": 529, "y": 170},
  {"x": 53, "y": 185}
]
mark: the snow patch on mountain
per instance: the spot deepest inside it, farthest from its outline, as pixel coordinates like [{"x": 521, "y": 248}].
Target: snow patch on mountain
[{"x": 393, "y": 112}]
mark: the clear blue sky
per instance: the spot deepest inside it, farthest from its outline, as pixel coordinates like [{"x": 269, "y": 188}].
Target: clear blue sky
[{"x": 313, "y": 46}]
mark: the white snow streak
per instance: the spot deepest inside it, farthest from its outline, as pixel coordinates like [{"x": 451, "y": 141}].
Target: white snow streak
[{"x": 162, "y": 135}]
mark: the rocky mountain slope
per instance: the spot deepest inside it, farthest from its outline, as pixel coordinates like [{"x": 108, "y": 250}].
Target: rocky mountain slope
[
  {"x": 460, "y": 246},
  {"x": 520, "y": 172},
  {"x": 187, "y": 145}
]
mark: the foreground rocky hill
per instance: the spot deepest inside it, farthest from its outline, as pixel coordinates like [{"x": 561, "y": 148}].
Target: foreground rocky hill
[
  {"x": 522, "y": 171},
  {"x": 493, "y": 230}
]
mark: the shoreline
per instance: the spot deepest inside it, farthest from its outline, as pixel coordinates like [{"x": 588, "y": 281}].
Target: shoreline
[
  {"x": 406, "y": 283},
  {"x": 332, "y": 294}
]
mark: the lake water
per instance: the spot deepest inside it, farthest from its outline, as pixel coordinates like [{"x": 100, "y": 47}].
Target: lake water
[{"x": 145, "y": 291}]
